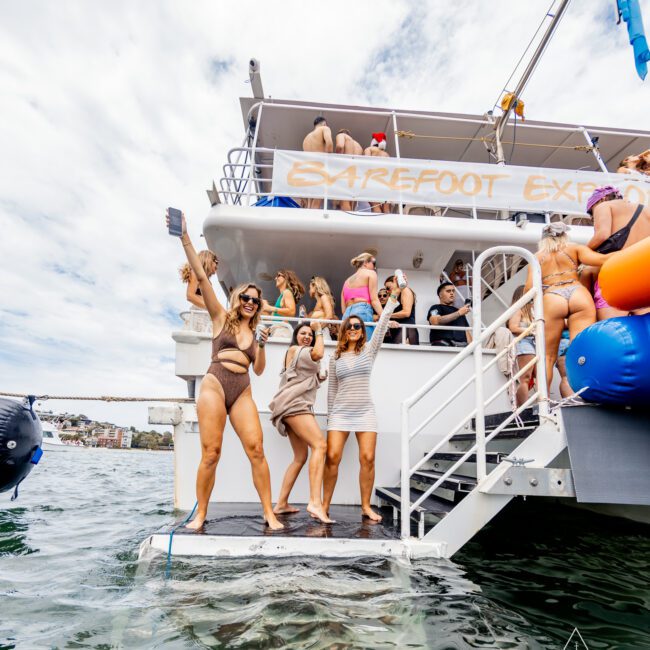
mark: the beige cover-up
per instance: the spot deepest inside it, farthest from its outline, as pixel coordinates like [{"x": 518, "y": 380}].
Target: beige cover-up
[{"x": 297, "y": 392}]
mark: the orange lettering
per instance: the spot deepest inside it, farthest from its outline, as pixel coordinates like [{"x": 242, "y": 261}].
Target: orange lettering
[
  {"x": 453, "y": 186},
  {"x": 476, "y": 185},
  {"x": 630, "y": 190},
  {"x": 350, "y": 173},
  {"x": 378, "y": 175},
  {"x": 426, "y": 176},
  {"x": 316, "y": 170},
  {"x": 532, "y": 188},
  {"x": 395, "y": 179},
  {"x": 585, "y": 190},
  {"x": 562, "y": 191},
  {"x": 490, "y": 178}
]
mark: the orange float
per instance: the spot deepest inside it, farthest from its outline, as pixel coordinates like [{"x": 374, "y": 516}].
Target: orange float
[{"x": 625, "y": 278}]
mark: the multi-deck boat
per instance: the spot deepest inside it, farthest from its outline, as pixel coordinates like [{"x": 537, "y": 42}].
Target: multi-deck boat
[{"x": 452, "y": 450}]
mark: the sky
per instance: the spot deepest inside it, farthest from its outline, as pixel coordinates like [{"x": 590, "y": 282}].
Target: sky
[{"x": 109, "y": 112}]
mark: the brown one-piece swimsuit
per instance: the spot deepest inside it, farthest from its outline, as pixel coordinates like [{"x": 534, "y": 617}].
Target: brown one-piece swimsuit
[{"x": 233, "y": 383}]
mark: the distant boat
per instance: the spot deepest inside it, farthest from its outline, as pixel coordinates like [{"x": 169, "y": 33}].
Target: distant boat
[{"x": 52, "y": 441}]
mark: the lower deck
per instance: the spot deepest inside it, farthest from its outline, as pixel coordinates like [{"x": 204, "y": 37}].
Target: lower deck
[{"x": 239, "y": 530}]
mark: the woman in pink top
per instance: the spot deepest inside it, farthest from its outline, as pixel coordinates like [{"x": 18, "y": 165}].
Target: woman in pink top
[{"x": 359, "y": 295}]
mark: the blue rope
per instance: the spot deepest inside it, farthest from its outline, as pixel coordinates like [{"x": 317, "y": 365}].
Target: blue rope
[{"x": 171, "y": 538}]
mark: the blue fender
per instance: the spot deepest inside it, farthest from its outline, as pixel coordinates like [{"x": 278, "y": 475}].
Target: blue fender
[{"x": 611, "y": 359}]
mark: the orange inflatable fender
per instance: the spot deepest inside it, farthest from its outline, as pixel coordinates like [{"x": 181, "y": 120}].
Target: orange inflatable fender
[{"x": 625, "y": 277}]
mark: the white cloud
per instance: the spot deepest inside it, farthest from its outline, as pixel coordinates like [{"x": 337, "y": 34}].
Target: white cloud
[{"x": 109, "y": 113}]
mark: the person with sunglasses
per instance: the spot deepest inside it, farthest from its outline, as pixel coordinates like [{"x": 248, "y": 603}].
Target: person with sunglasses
[
  {"x": 225, "y": 389},
  {"x": 291, "y": 291},
  {"x": 349, "y": 403},
  {"x": 359, "y": 294},
  {"x": 292, "y": 413}
]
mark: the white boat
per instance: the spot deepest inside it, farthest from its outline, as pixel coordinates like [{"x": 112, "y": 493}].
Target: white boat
[
  {"x": 452, "y": 451},
  {"x": 52, "y": 440}
]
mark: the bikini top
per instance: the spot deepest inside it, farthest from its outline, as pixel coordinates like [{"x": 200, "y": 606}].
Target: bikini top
[
  {"x": 553, "y": 275},
  {"x": 227, "y": 341},
  {"x": 616, "y": 241},
  {"x": 349, "y": 293}
]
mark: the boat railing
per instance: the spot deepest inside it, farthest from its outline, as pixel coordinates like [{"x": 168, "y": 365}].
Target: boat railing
[
  {"x": 198, "y": 320},
  {"x": 476, "y": 349},
  {"x": 247, "y": 178}
]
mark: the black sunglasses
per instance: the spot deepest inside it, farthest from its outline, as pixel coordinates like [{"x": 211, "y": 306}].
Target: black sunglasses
[
  {"x": 383, "y": 294},
  {"x": 373, "y": 262},
  {"x": 355, "y": 326},
  {"x": 244, "y": 297}
]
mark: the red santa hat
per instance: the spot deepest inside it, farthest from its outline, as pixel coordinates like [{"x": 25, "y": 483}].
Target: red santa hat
[{"x": 379, "y": 140}]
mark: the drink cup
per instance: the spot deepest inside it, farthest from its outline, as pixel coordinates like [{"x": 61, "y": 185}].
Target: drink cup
[{"x": 399, "y": 277}]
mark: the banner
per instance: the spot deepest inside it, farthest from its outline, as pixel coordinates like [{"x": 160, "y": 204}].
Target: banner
[{"x": 430, "y": 182}]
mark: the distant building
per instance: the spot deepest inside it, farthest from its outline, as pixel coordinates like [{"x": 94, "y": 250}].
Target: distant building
[{"x": 113, "y": 438}]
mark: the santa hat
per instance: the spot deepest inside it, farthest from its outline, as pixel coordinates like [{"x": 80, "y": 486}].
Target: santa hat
[{"x": 379, "y": 140}]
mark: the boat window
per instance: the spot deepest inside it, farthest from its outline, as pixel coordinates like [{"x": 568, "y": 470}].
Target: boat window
[{"x": 47, "y": 434}]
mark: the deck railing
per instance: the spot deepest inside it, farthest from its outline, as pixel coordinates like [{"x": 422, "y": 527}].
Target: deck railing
[
  {"x": 475, "y": 349},
  {"x": 247, "y": 177}
]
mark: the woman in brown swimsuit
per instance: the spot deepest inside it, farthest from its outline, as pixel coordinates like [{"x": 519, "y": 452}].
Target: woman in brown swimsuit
[{"x": 225, "y": 389}]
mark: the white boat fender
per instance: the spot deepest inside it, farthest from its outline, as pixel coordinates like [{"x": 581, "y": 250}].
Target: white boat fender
[{"x": 21, "y": 436}]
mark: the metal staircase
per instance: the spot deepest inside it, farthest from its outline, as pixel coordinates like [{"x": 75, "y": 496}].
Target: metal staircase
[
  {"x": 472, "y": 472},
  {"x": 454, "y": 487}
]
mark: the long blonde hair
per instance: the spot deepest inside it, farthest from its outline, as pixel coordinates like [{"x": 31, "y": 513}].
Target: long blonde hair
[
  {"x": 293, "y": 282},
  {"x": 361, "y": 259},
  {"x": 527, "y": 309},
  {"x": 209, "y": 262},
  {"x": 321, "y": 287},
  {"x": 233, "y": 317},
  {"x": 342, "y": 343}
]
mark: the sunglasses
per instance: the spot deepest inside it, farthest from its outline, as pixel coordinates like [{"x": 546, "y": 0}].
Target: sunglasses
[
  {"x": 383, "y": 294},
  {"x": 244, "y": 297},
  {"x": 373, "y": 262},
  {"x": 355, "y": 326}
]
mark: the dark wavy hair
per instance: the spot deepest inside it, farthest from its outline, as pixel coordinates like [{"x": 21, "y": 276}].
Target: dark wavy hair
[{"x": 299, "y": 326}]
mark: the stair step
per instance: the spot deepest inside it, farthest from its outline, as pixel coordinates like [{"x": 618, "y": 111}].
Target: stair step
[
  {"x": 454, "y": 482},
  {"x": 430, "y": 506},
  {"x": 491, "y": 457},
  {"x": 509, "y": 433},
  {"x": 528, "y": 416}
]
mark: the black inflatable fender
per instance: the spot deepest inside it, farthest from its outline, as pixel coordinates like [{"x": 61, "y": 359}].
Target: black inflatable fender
[{"x": 21, "y": 436}]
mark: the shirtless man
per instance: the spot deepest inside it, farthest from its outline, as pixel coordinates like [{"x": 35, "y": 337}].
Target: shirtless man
[
  {"x": 378, "y": 148},
  {"x": 346, "y": 144},
  {"x": 627, "y": 222},
  {"x": 320, "y": 140}
]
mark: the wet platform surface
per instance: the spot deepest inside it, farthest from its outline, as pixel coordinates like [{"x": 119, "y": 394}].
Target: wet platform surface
[{"x": 245, "y": 520}]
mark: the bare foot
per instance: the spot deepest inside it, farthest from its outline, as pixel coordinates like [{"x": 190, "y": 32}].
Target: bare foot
[
  {"x": 320, "y": 514},
  {"x": 285, "y": 509},
  {"x": 196, "y": 523},
  {"x": 272, "y": 522},
  {"x": 370, "y": 514}
]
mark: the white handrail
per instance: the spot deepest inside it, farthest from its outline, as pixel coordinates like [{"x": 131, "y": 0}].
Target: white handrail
[{"x": 475, "y": 348}]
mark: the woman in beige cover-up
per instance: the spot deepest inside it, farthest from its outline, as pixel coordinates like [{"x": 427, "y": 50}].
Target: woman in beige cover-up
[{"x": 292, "y": 413}]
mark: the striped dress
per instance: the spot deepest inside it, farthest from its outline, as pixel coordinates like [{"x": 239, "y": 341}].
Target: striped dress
[{"x": 349, "y": 403}]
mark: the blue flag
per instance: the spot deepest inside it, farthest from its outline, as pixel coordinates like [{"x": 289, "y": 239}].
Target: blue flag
[{"x": 630, "y": 12}]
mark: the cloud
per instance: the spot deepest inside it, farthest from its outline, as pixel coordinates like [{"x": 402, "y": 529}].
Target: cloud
[{"x": 110, "y": 113}]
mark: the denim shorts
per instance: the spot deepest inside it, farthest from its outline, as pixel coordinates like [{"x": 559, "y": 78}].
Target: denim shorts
[
  {"x": 564, "y": 346},
  {"x": 365, "y": 312},
  {"x": 526, "y": 345}
]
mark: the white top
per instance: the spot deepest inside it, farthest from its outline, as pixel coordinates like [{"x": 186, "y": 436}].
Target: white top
[{"x": 349, "y": 403}]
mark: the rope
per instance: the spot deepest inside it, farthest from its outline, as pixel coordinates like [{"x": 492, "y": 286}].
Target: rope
[
  {"x": 103, "y": 398},
  {"x": 168, "y": 567},
  {"x": 410, "y": 135}
]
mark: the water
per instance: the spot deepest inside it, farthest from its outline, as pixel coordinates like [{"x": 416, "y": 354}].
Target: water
[{"x": 69, "y": 578}]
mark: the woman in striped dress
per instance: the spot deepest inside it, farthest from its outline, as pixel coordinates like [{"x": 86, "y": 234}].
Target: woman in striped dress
[{"x": 350, "y": 406}]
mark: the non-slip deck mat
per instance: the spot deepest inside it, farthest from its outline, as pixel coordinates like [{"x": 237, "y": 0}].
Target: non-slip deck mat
[
  {"x": 245, "y": 520},
  {"x": 610, "y": 454}
]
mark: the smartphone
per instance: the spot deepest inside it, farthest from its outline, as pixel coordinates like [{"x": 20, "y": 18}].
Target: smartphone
[
  {"x": 468, "y": 301},
  {"x": 175, "y": 224}
]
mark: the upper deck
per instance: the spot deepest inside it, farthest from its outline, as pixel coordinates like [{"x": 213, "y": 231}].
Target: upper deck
[{"x": 447, "y": 193}]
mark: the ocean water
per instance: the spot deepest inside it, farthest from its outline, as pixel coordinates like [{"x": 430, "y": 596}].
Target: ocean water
[{"x": 69, "y": 577}]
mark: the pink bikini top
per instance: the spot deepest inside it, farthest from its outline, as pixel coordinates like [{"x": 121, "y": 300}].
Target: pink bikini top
[{"x": 350, "y": 293}]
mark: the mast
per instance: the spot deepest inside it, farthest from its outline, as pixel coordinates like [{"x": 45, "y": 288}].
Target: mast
[{"x": 530, "y": 68}]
